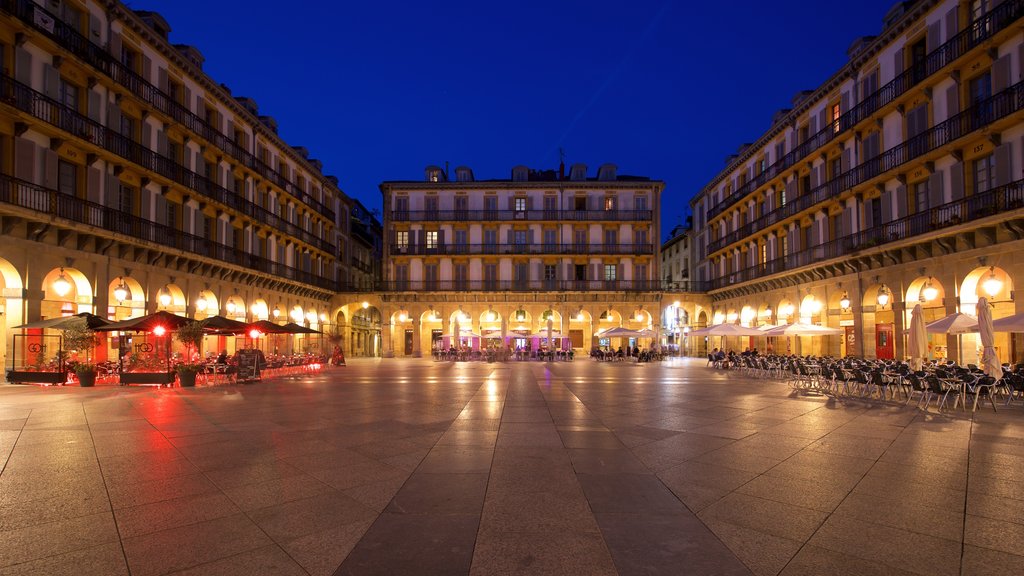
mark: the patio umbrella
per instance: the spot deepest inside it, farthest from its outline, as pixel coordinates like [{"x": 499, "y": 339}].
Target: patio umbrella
[
  {"x": 727, "y": 330},
  {"x": 294, "y": 328},
  {"x": 620, "y": 332},
  {"x": 989, "y": 360},
  {"x": 268, "y": 327},
  {"x": 222, "y": 325},
  {"x": 166, "y": 320},
  {"x": 918, "y": 344},
  {"x": 1013, "y": 323},
  {"x": 456, "y": 329},
  {"x": 958, "y": 323},
  {"x": 799, "y": 329},
  {"x": 92, "y": 321}
]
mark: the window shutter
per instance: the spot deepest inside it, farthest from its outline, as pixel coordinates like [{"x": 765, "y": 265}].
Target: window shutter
[
  {"x": 796, "y": 239},
  {"x": 115, "y": 45},
  {"x": 886, "y": 206},
  {"x": 951, "y": 23},
  {"x": 869, "y": 215},
  {"x": 187, "y": 96},
  {"x": 529, "y": 202},
  {"x": 95, "y": 28},
  {"x": 49, "y": 158},
  {"x": 94, "y": 186},
  {"x": 952, "y": 100},
  {"x": 25, "y": 159},
  {"x": 935, "y": 195},
  {"x": 147, "y": 68},
  {"x": 114, "y": 117},
  {"x": 844, "y": 102},
  {"x": 791, "y": 190},
  {"x": 1001, "y": 73},
  {"x": 230, "y": 131},
  {"x": 849, "y": 225},
  {"x": 956, "y": 180},
  {"x": 161, "y": 80},
  {"x": 113, "y": 184},
  {"x": 95, "y": 105},
  {"x": 844, "y": 163},
  {"x": 538, "y": 271},
  {"x": 823, "y": 118},
  {"x": 147, "y": 135},
  {"x": 23, "y": 66},
  {"x": 814, "y": 178},
  {"x": 161, "y": 210},
  {"x": 440, "y": 238},
  {"x": 901, "y": 202},
  {"x": 769, "y": 200},
  {"x": 229, "y": 180},
  {"x": 51, "y": 81},
  {"x": 822, "y": 176},
  {"x": 162, "y": 147},
  {"x": 145, "y": 201},
  {"x": 618, "y": 272},
  {"x": 1002, "y": 158},
  {"x": 824, "y": 228},
  {"x": 932, "y": 41},
  {"x": 897, "y": 61},
  {"x": 511, "y": 202},
  {"x": 595, "y": 271},
  {"x": 510, "y": 237},
  {"x": 812, "y": 126}
]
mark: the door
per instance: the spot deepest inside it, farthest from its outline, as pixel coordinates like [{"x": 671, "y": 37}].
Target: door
[
  {"x": 884, "y": 346},
  {"x": 850, "y": 341},
  {"x": 408, "y": 342}
]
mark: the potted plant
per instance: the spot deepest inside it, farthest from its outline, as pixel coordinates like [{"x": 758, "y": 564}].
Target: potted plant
[
  {"x": 191, "y": 335},
  {"x": 79, "y": 338}
]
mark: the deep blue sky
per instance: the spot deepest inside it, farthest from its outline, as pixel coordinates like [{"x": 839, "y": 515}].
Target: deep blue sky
[{"x": 379, "y": 89}]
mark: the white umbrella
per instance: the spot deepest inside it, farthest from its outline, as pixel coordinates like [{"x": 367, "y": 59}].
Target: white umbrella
[
  {"x": 768, "y": 327},
  {"x": 727, "y": 330},
  {"x": 504, "y": 327},
  {"x": 799, "y": 329},
  {"x": 456, "y": 331},
  {"x": 958, "y": 323},
  {"x": 1013, "y": 323},
  {"x": 620, "y": 332},
  {"x": 989, "y": 360},
  {"x": 918, "y": 344}
]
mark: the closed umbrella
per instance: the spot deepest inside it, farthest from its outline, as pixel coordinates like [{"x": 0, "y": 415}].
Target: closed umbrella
[
  {"x": 456, "y": 331},
  {"x": 918, "y": 344},
  {"x": 989, "y": 360},
  {"x": 551, "y": 325}
]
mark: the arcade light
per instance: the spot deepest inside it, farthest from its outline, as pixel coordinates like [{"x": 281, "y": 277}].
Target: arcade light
[
  {"x": 992, "y": 285},
  {"x": 201, "y": 304},
  {"x": 61, "y": 285},
  {"x": 844, "y": 302},
  {"x": 883, "y": 296},
  {"x": 164, "y": 296},
  {"x": 121, "y": 291},
  {"x": 929, "y": 292}
]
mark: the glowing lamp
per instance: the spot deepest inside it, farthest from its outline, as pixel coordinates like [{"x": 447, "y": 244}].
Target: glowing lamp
[
  {"x": 323, "y": 317},
  {"x": 297, "y": 315},
  {"x": 676, "y": 303},
  {"x": 277, "y": 312},
  {"x": 231, "y": 307},
  {"x": 61, "y": 285},
  {"x": 311, "y": 316},
  {"x": 929, "y": 292},
  {"x": 844, "y": 302},
  {"x": 883, "y": 296},
  {"x": 992, "y": 285},
  {"x": 164, "y": 297},
  {"x": 201, "y": 304},
  {"x": 254, "y": 333},
  {"x": 490, "y": 317},
  {"x": 365, "y": 305},
  {"x": 121, "y": 292},
  {"x": 579, "y": 317},
  {"x": 402, "y": 317},
  {"x": 159, "y": 330}
]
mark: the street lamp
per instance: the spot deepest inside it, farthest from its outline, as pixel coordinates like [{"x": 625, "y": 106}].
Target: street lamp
[
  {"x": 277, "y": 312},
  {"x": 686, "y": 337},
  {"x": 201, "y": 304},
  {"x": 844, "y": 302},
  {"x": 883, "y": 296},
  {"x": 929, "y": 292},
  {"x": 121, "y": 291},
  {"x": 164, "y": 296},
  {"x": 992, "y": 285},
  {"x": 61, "y": 285}
]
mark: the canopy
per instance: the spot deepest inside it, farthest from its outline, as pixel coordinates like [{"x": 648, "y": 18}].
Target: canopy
[
  {"x": 958, "y": 323},
  {"x": 92, "y": 322},
  {"x": 222, "y": 325},
  {"x": 799, "y": 329},
  {"x": 546, "y": 334},
  {"x": 464, "y": 334},
  {"x": 768, "y": 327},
  {"x": 294, "y": 328},
  {"x": 727, "y": 330},
  {"x": 492, "y": 334},
  {"x": 989, "y": 360},
  {"x": 1013, "y": 323},
  {"x": 268, "y": 327},
  {"x": 168, "y": 321},
  {"x": 917, "y": 347}
]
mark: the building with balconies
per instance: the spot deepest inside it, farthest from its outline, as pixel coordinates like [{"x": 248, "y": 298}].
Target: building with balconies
[
  {"x": 508, "y": 259},
  {"x": 144, "y": 184},
  {"x": 896, "y": 182}
]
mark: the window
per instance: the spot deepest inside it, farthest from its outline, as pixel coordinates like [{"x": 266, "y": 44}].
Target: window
[
  {"x": 430, "y": 274},
  {"x": 580, "y": 239},
  {"x": 461, "y": 205},
  {"x": 519, "y": 204},
  {"x": 609, "y": 203},
  {"x": 610, "y": 272},
  {"x": 67, "y": 178},
  {"x": 762, "y": 165},
  {"x": 68, "y": 94},
  {"x": 580, "y": 272},
  {"x": 402, "y": 239},
  {"x": 461, "y": 238},
  {"x": 401, "y": 207},
  {"x": 174, "y": 151},
  {"x": 129, "y": 57},
  {"x": 921, "y": 200},
  {"x": 490, "y": 237},
  {"x": 579, "y": 203},
  {"x": 430, "y": 204},
  {"x": 490, "y": 276},
  {"x": 785, "y": 245},
  {"x": 764, "y": 253},
  {"x": 640, "y": 237},
  {"x": 171, "y": 216},
  {"x": 128, "y": 125},
  {"x": 984, "y": 173},
  {"x": 402, "y": 277},
  {"x": 611, "y": 237},
  {"x": 641, "y": 202},
  {"x": 69, "y": 16},
  {"x": 782, "y": 197},
  {"x": 836, "y": 112},
  {"x": 431, "y": 239},
  {"x": 175, "y": 91},
  {"x": 461, "y": 277},
  {"x": 125, "y": 196},
  {"x": 550, "y": 237},
  {"x": 640, "y": 272},
  {"x": 805, "y": 184},
  {"x": 521, "y": 274},
  {"x": 550, "y": 204},
  {"x": 550, "y": 275},
  {"x": 835, "y": 167}
]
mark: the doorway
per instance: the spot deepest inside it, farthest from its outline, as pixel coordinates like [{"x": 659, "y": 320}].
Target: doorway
[
  {"x": 884, "y": 346},
  {"x": 408, "y": 342}
]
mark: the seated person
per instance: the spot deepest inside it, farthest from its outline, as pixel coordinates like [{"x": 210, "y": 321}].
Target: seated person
[{"x": 223, "y": 357}]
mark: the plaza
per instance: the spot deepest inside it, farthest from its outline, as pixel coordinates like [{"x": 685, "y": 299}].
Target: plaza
[{"x": 413, "y": 466}]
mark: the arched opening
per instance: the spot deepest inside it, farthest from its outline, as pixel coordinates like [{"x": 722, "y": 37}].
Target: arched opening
[
  {"x": 878, "y": 311},
  {"x": 126, "y": 299},
  {"x": 171, "y": 298},
  {"x": 234, "y": 308},
  {"x": 929, "y": 292},
  {"x": 366, "y": 325},
  {"x": 206, "y": 305},
  {"x": 995, "y": 285},
  {"x": 10, "y": 306},
  {"x": 66, "y": 292}
]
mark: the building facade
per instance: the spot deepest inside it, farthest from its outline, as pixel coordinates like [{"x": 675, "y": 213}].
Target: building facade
[
  {"x": 896, "y": 182},
  {"x": 677, "y": 259},
  {"x": 142, "y": 183},
  {"x": 506, "y": 259}
]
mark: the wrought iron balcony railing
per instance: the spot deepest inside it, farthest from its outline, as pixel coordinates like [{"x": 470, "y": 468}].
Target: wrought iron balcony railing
[
  {"x": 981, "y": 114},
  {"x": 48, "y": 110},
  {"x": 971, "y": 208},
  {"x": 71, "y": 40},
  {"x": 528, "y": 215},
  {"x": 982, "y": 29},
  {"x": 521, "y": 285},
  {"x": 513, "y": 249},
  {"x": 52, "y": 203}
]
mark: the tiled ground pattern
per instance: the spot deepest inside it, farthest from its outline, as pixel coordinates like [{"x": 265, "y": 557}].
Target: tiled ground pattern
[{"x": 415, "y": 467}]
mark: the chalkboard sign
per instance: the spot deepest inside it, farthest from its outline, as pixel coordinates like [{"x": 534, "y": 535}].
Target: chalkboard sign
[{"x": 248, "y": 365}]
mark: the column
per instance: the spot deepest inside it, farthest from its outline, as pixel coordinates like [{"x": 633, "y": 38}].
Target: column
[
  {"x": 385, "y": 336},
  {"x": 898, "y": 320},
  {"x": 416, "y": 353},
  {"x": 952, "y": 340}
]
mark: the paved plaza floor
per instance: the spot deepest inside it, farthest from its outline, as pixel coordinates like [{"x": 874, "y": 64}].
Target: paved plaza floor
[{"x": 415, "y": 467}]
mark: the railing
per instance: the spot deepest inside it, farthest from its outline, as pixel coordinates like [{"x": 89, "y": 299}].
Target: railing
[
  {"x": 55, "y": 204},
  {"x": 520, "y": 285},
  {"x": 981, "y": 114},
  {"x": 54, "y": 113},
  {"x": 540, "y": 249},
  {"x": 74, "y": 42},
  {"x": 362, "y": 266},
  {"x": 974, "y": 207},
  {"x": 529, "y": 215},
  {"x": 982, "y": 29}
]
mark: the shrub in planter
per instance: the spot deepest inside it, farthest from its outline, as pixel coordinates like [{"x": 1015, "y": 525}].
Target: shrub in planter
[
  {"x": 86, "y": 373},
  {"x": 187, "y": 374}
]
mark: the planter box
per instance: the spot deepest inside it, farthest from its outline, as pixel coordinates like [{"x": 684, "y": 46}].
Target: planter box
[
  {"x": 147, "y": 378},
  {"x": 26, "y": 377}
]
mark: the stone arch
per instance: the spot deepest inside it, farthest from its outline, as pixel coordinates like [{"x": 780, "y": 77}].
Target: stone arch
[
  {"x": 206, "y": 304},
  {"x": 78, "y": 299}
]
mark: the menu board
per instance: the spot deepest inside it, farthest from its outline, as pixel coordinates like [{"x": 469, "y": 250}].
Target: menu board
[{"x": 248, "y": 365}]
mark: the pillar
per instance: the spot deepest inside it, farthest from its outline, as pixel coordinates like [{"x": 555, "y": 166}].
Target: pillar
[
  {"x": 952, "y": 340},
  {"x": 898, "y": 321},
  {"x": 385, "y": 336},
  {"x": 416, "y": 352}
]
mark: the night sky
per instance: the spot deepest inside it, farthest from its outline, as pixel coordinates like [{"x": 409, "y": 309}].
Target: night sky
[{"x": 378, "y": 90}]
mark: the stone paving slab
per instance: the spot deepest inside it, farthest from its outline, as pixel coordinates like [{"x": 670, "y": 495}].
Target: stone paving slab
[{"x": 417, "y": 467}]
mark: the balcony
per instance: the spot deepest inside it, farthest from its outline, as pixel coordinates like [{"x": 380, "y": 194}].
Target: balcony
[
  {"x": 77, "y": 44},
  {"x": 984, "y": 28},
  {"x": 520, "y": 285},
  {"x": 50, "y": 203},
  {"x": 521, "y": 249},
  {"x": 42, "y": 107},
  {"x": 978, "y": 116},
  {"x": 974, "y": 207},
  {"x": 527, "y": 215}
]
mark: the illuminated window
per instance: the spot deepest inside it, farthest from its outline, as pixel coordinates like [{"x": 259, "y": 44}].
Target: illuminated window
[
  {"x": 432, "y": 239},
  {"x": 764, "y": 253},
  {"x": 835, "y": 118},
  {"x": 520, "y": 204},
  {"x": 610, "y": 272},
  {"x": 402, "y": 238},
  {"x": 609, "y": 203}
]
